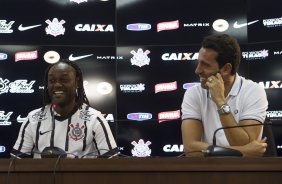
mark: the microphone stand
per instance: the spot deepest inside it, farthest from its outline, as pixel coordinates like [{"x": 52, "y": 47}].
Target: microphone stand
[{"x": 219, "y": 151}]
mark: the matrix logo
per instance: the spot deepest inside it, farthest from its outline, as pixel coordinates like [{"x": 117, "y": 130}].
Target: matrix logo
[
  {"x": 139, "y": 116},
  {"x": 95, "y": 27},
  {"x": 277, "y": 52},
  {"x": 262, "y": 54},
  {"x": 270, "y": 84},
  {"x": 198, "y": 24},
  {"x": 138, "y": 27},
  {"x": 180, "y": 56},
  {"x": 2, "y": 149}
]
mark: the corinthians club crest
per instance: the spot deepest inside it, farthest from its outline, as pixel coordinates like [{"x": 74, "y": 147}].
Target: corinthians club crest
[
  {"x": 76, "y": 131},
  {"x": 140, "y": 58},
  {"x": 55, "y": 27}
]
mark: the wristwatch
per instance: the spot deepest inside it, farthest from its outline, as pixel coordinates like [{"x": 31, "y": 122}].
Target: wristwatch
[{"x": 224, "y": 109}]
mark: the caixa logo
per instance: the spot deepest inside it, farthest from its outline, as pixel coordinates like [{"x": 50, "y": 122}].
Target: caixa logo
[
  {"x": 139, "y": 116},
  {"x": 2, "y": 149},
  {"x": 173, "y": 148}
]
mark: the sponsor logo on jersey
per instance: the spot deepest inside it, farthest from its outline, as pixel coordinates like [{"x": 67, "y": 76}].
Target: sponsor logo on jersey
[
  {"x": 138, "y": 27},
  {"x": 55, "y": 27},
  {"x": 220, "y": 25},
  {"x": 2, "y": 149},
  {"x": 189, "y": 85},
  {"x": 189, "y": 56},
  {"x": 132, "y": 88},
  {"x": 139, "y": 116},
  {"x": 78, "y": 1},
  {"x": 168, "y": 115},
  {"x": 274, "y": 22},
  {"x": 6, "y": 27},
  {"x": 170, "y": 86},
  {"x": 76, "y": 131},
  {"x": 19, "y": 56},
  {"x": 270, "y": 84},
  {"x": 39, "y": 116},
  {"x": 4, "y": 118},
  {"x": 140, "y": 58},
  {"x": 3, "y": 56},
  {"x": 85, "y": 115},
  {"x": 94, "y": 27},
  {"x": 162, "y": 26},
  {"x": 254, "y": 55},
  {"x": 141, "y": 149},
  {"x": 173, "y": 148}
]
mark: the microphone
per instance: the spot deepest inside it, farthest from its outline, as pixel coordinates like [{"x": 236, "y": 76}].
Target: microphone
[
  {"x": 52, "y": 151},
  {"x": 218, "y": 151}
]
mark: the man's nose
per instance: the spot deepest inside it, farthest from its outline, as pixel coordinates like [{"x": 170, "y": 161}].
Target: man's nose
[{"x": 198, "y": 70}]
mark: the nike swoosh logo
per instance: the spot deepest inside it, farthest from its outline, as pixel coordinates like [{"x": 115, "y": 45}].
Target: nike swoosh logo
[
  {"x": 41, "y": 133},
  {"x": 20, "y": 119},
  {"x": 72, "y": 58},
  {"x": 24, "y": 28},
  {"x": 237, "y": 26}
]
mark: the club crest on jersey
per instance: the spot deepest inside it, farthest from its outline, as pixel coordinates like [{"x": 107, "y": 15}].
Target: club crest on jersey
[
  {"x": 55, "y": 27},
  {"x": 76, "y": 131},
  {"x": 85, "y": 115}
]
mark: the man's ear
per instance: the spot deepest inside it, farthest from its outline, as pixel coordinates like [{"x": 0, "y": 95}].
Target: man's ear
[{"x": 226, "y": 69}]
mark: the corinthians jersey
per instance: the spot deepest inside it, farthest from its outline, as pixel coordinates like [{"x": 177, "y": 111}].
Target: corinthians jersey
[{"x": 85, "y": 133}]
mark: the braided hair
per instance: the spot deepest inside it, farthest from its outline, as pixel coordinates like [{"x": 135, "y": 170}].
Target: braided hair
[{"x": 80, "y": 93}]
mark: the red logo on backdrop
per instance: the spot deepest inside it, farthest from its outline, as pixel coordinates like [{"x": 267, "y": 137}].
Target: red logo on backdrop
[
  {"x": 170, "y": 86},
  {"x": 26, "y": 55},
  {"x": 168, "y": 115},
  {"x": 167, "y": 25},
  {"x": 76, "y": 131}
]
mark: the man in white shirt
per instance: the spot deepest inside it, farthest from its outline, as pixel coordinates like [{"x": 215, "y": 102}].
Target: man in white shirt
[{"x": 223, "y": 98}]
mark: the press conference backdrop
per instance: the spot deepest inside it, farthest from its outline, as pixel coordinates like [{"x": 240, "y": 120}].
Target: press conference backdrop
[{"x": 137, "y": 57}]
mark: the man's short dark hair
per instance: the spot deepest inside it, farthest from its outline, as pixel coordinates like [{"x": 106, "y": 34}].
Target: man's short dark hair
[{"x": 228, "y": 50}]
